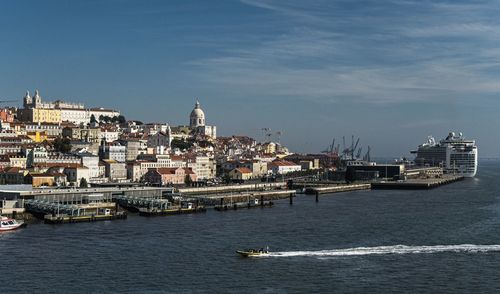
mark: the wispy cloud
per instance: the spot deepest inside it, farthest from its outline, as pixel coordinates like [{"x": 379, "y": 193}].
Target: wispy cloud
[{"x": 338, "y": 51}]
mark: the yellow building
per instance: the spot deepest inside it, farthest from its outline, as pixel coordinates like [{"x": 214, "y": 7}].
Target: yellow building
[
  {"x": 42, "y": 115},
  {"x": 46, "y": 115},
  {"x": 241, "y": 173},
  {"x": 37, "y": 137}
]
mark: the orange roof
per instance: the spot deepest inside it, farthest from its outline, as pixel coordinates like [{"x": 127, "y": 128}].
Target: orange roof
[
  {"x": 244, "y": 170},
  {"x": 283, "y": 163},
  {"x": 167, "y": 170}
]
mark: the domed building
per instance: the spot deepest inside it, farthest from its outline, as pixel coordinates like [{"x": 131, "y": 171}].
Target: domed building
[
  {"x": 197, "y": 122},
  {"x": 197, "y": 117}
]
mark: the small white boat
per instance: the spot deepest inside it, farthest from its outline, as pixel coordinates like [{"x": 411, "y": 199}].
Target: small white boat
[
  {"x": 253, "y": 252},
  {"x": 9, "y": 224}
]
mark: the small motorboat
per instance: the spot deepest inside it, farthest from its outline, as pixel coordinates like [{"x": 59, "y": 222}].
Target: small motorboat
[
  {"x": 9, "y": 224},
  {"x": 253, "y": 252}
]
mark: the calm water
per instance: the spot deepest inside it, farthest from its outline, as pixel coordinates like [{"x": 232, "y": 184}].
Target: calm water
[{"x": 317, "y": 247}]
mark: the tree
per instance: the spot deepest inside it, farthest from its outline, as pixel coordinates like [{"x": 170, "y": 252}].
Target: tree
[
  {"x": 187, "y": 180},
  {"x": 93, "y": 119},
  {"x": 83, "y": 183},
  {"x": 181, "y": 144},
  {"x": 62, "y": 145},
  {"x": 121, "y": 119}
]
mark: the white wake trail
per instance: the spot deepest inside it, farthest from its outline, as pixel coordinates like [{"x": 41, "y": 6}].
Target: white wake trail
[{"x": 396, "y": 249}]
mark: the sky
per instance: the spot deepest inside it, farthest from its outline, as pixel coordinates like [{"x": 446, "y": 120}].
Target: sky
[{"x": 389, "y": 72}]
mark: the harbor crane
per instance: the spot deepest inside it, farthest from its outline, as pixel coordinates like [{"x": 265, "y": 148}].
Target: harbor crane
[
  {"x": 278, "y": 135},
  {"x": 358, "y": 155},
  {"x": 367, "y": 155}
]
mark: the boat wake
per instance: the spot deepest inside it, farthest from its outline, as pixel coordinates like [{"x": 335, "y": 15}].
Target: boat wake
[{"x": 397, "y": 249}]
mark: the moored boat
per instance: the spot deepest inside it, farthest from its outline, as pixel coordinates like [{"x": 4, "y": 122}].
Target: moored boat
[{"x": 9, "y": 224}]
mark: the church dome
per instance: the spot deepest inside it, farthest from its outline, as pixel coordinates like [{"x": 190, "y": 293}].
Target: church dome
[{"x": 197, "y": 117}]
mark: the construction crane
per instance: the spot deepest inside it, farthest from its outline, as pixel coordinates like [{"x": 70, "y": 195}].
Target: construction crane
[
  {"x": 7, "y": 101},
  {"x": 358, "y": 155},
  {"x": 331, "y": 148},
  {"x": 367, "y": 155},
  {"x": 265, "y": 132},
  {"x": 355, "y": 147},
  {"x": 278, "y": 135}
]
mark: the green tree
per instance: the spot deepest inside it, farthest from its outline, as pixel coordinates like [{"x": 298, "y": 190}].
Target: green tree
[
  {"x": 93, "y": 119},
  {"x": 181, "y": 144},
  {"x": 62, "y": 145},
  {"x": 121, "y": 119},
  {"x": 187, "y": 180},
  {"x": 83, "y": 183}
]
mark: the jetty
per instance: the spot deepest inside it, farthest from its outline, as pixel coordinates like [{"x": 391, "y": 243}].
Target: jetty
[
  {"x": 416, "y": 184},
  {"x": 254, "y": 203},
  {"x": 66, "y": 219},
  {"x": 243, "y": 197},
  {"x": 171, "y": 211},
  {"x": 336, "y": 188}
]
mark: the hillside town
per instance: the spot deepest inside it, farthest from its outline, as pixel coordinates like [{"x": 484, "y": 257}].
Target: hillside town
[{"x": 67, "y": 144}]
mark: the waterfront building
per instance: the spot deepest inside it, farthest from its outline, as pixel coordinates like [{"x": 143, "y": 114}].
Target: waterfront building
[
  {"x": 13, "y": 176},
  {"x": 91, "y": 162},
  {"x": 75, "y": 174},
  {"x": 169, "y": 176},
  {"x": 115, "y": 171},
  {"x": 282, "y": 167},
  {"x": 240, "y": 174}
]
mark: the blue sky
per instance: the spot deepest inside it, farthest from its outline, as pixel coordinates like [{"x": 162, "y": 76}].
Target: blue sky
[{"x": 390, "y": 72}]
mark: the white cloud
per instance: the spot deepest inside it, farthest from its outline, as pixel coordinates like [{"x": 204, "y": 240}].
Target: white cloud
[{"x": 374, "y": 59}]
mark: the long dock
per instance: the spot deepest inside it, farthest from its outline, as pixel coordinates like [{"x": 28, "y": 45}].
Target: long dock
[
  {"x": 221, "y": 199},
  {"x": 416, "y": 184},
  {"x": 170, "y": 211},
  {"x": 337, "y": 188},
  {"x": 232, "y": 188},
  {"x": 66, "y": 219}
]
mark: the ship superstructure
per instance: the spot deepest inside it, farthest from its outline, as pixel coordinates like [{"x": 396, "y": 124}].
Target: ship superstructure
[{"x": 455, "y": 154}]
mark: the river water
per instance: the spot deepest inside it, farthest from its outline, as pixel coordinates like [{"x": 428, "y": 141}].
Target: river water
[{"x": 445, "y": 240}]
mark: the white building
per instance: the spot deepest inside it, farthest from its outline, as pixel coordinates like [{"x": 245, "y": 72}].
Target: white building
[
  {"x": 197, "y": 122},
  {"x": 282, "y": 167}
]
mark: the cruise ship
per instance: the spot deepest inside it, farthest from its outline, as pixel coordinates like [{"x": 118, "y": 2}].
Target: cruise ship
[{"x": 455, "y": 154}]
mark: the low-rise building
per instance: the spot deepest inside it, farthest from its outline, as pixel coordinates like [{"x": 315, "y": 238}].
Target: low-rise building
[
  {"x": 115, "y": 171},
  {"x": 240, "y": 174},
  {"x": 169, "y": 176},
  {"x": 282, "y": 167}
]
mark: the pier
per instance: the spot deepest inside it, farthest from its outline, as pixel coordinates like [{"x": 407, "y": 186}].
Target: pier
[
  {"x": 416, "y": 184},
  {"x": 221, "y": 199},
  {"x": 232, "y": 188},
  {"x": 67, "y": 219},
  {"x": 336, "y": 188},
  {"x": 171, "y": 211}
]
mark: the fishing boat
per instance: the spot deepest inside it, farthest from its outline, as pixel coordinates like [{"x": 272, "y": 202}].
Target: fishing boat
[
  {"x": 253, "y": 252},
  {"x": 9, "y": 224}
]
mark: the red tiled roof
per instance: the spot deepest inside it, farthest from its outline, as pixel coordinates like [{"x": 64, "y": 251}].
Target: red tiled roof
[{"x": 244, "y": 170}]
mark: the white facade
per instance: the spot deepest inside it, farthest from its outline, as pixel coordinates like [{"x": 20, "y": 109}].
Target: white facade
[
  {"x": 109, "y": 136},
  {"x": 76, "y": 116},
  {"x": 283, "y": 168},
  {"x": 197, "y": 117}
]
